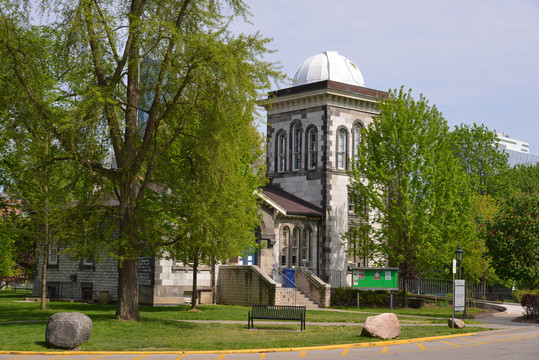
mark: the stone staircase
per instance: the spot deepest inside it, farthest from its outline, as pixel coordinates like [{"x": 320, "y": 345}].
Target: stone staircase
[{"x": 304, "y": 300}]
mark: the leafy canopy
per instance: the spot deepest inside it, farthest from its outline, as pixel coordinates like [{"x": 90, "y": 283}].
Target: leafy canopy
[
  {"x": 512, "y": 239},
  {"x": 411, "y": 185}
]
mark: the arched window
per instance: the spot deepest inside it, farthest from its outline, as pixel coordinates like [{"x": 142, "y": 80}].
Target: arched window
[
  {"x": 281, "y": 152},
  {"x": 296, "y": 147},
  {"x": 341, "y": 149},
  {"x": 284, "y": 246},
  {"x": 295, "y": 247},
  {"x": 357, "y": 140},
  {"x": 311, "y": 148},
  {"x": 306, "y": 248}
]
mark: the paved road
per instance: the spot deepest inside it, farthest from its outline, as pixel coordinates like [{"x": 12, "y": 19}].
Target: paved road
[{"x": 512, "y": 341}]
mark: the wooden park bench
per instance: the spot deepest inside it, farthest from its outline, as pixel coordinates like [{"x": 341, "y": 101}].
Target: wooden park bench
[{"x": 276, "y": 312}]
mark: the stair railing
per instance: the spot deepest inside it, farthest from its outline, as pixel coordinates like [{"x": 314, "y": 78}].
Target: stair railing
[{"x": 281, "y": 278}]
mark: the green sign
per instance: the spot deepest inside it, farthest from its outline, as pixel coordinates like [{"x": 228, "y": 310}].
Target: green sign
[{"x": 375, "y": 278}]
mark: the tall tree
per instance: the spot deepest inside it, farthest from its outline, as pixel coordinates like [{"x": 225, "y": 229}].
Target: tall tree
[
  {"x": 413, "y": 187},
  {"x": 512, "y": 239},
  {"x": 132, "y": 75},
  {"x": 475, "y": 147},
  {"x": 219, "y": 195},
  {"x": 522, "y": 178},
  {"x": 477, "y": 262}
]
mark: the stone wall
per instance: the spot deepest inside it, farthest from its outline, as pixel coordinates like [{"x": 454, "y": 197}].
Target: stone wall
[
  {"x": 91, "y": 279},
  {"x": 174, "y": 284},
  {"x": 245, "y": 285}
]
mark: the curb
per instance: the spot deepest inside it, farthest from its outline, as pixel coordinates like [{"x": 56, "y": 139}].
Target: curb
[{"x": 243, "y": 351}]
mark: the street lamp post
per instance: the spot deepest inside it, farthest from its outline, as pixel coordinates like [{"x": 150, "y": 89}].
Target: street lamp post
[{"x": 459, "y": 252}]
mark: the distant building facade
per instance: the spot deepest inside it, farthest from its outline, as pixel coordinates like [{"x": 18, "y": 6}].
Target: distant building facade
[{"x": 518, "y": 151}]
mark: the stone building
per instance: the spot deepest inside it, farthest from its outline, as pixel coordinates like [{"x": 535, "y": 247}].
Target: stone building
[{"x": 314, "y": 129}]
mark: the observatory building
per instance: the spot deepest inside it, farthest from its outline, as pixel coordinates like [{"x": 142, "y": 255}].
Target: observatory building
[{"x": 313, "y": 130}]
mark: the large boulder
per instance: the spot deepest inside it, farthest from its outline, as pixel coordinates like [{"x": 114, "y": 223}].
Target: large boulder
[
  {"x": 383, "y": 326},
  {"x": 459, "y": 324},
  {"x": 68, "y": 330}
]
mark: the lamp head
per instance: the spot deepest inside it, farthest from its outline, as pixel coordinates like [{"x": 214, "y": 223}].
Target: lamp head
[{"x": 459, "y": 252}]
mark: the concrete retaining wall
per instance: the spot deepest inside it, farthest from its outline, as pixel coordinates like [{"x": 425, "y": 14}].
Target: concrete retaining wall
[{"x": 245, "y": 285}]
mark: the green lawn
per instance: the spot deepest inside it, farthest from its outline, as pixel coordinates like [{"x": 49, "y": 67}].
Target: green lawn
[{"x": 162, "y": 328}]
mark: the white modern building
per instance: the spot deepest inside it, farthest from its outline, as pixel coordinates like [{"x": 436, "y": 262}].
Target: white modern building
[{"x": 518, "y": 151}]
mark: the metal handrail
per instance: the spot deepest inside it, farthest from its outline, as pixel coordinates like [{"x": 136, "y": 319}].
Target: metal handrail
[
  {"x": 282, "y": 276},
  {"x": 279, "y": 277},
  {"x": 309, "y": 278}
]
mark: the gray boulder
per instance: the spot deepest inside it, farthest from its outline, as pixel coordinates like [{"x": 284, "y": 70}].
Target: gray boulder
[
  {"x": 68, "y": 330},
  {"x": 459, "y": 324},
  {"x": 383, "y": 326}
]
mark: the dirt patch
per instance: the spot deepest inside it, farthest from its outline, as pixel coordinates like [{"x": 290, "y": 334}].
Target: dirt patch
[{"x": 527, "y": 319}]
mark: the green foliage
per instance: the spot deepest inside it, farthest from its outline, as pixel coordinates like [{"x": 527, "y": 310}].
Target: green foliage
[
  {"x": 522, "y": 178},
  {"x": 348, "y": 297},
  {"x": 17, "y": 263},
  {"x": 519, "y": 293},
  {"x": 154, "y": 103},
  {"x": 6, "y": 249},
  {"x": 475, "y": 148},
  {"x": 512, "y": 239},
  {"x": 476, "y": 262},
  {"x": 412, "y": 185}
]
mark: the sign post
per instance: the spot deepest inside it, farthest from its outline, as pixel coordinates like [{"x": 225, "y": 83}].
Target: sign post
[
  {"x": 364, "y": 278},
  {"x": 454, "y": 271}
]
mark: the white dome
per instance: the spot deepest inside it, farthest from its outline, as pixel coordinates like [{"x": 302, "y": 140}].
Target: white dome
[{"x": 329, "y": 65}]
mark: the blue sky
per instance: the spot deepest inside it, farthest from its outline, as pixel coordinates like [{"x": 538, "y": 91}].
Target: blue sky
[{"x": 477, "y": 61}]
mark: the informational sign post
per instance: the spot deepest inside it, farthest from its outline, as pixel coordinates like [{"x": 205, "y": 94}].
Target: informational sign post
[
  {"x": 364, "y": 278},
  {"x": 375, "y": 278},
  {"x": 460, "y": 295}
]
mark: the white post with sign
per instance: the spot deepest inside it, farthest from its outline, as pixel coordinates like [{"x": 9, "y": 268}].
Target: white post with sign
[{"x": 454, "y": 271}]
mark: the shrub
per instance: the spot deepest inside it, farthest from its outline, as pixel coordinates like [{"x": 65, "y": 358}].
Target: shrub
[
  {"x": 348, "y": 297},
  {"x": 530, "y": 303}
]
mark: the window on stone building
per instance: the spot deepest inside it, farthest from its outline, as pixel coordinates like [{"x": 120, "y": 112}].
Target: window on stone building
[
  {"x": 295, "y": 247},
  {"x": 306, "y": 248},
  {"x": 296, "y": 147},
  {"x": 357, "y": 140},
  {"x": 341, "y": 149},
  {"x": 53, "y": 254},
  {"x": 284, "y": 246},
  {"x": 312, "y": 147},
  {"x": 281, "y": 151},
  {"x": 87, "y": 263}
]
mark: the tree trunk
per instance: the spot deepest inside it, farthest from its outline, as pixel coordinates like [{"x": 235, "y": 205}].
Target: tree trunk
[
  {"x": 213, "y": 283},
  {"x": 127, "y": 308},
  {"x": 405, "y": 285},
  {"x": 194, "y": 294},
  {"x": 404, "y": 291},
  {"x": 43, "y": 305}
]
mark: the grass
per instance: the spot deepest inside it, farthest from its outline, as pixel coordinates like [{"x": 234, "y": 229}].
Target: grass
[{"x": 162, "y": 328}]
